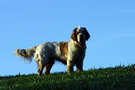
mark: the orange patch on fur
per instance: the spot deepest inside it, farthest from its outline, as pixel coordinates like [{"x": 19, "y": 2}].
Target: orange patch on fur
[{"x": 64, "y": 48}]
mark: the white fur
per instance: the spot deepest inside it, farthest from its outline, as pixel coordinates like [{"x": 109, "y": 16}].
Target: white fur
[
  {"x": 49, "y": 49},
  {"x": 78, "y": 28}
]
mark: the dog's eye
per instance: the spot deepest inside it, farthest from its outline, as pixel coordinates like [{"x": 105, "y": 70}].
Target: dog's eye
[{"x": 83, "y": 32}]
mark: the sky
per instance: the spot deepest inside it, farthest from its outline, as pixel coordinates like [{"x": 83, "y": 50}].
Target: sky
[{"x": 26, "y": 23}]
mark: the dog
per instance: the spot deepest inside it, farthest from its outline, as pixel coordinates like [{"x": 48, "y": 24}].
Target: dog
[{"x": 70, "y": 53}]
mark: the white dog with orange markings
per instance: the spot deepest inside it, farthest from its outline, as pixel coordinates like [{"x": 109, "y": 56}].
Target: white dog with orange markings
[{"x": 71, "y": 52}]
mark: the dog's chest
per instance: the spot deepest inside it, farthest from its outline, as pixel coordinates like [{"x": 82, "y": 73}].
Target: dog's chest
[{"x": 76, "y": 52}]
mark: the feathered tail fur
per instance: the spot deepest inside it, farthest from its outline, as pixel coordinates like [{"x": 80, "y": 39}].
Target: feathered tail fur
[{"x": 26, "y": 53}]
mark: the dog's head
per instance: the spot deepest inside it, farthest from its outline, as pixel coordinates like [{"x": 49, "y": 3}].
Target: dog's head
[{"x": 80, "y": 35}]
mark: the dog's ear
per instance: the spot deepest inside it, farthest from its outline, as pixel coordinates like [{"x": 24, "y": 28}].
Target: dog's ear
[
  {"x": 74, "y": 34},
  {"x": 86, "y": 34}
]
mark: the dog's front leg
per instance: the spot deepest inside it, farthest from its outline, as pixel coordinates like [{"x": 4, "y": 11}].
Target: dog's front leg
[
  {"x": 69, "y": 66},
  {"x": 79, "y": 66}
]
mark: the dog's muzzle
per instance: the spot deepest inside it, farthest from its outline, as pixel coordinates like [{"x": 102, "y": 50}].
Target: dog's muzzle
[{"x": 81, "y": 39}]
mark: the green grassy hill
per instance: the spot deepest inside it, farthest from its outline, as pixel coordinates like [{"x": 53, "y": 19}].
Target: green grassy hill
[{"x": 117, "y": 78}]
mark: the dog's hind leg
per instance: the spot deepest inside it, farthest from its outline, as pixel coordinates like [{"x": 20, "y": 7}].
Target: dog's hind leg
[
  {"x": 49, "y": 66},
  {"x": 40, "y": 70},
  {"x": 40, "y": 64}
]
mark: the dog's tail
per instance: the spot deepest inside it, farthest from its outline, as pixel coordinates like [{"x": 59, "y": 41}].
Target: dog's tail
[{"x": 27, "y": 54}]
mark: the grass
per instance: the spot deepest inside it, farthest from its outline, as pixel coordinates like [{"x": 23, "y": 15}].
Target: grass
[{"x": 116, "y": 78}]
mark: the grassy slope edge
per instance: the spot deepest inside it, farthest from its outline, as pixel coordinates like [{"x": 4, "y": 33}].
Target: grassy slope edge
[{"x": 117, "y": 78}]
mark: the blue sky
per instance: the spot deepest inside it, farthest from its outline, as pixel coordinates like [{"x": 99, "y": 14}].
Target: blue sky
[{"x": 26, "y": 23}]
